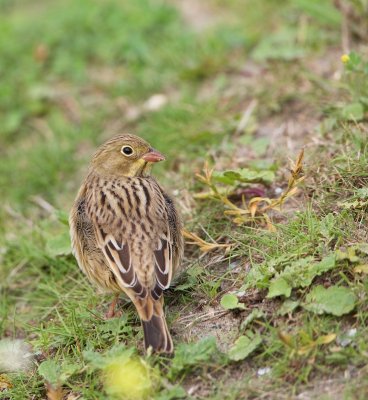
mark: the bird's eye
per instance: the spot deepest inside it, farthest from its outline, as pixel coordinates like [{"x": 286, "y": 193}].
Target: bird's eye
[{"x": 127, "y": 150}]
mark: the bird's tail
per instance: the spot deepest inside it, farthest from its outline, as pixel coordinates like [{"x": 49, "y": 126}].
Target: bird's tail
[
  {"x": 154, "y": 324},
  {"x": 157, "y": 335}
]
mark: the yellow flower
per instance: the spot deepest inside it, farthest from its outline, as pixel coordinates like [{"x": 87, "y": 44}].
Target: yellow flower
[
  {"x": 345, "y": 58},
  {"x": 129, "y": 379}
]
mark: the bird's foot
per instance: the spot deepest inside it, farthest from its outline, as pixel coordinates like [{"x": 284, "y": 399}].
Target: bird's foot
[{"x": 111, "y": 313}]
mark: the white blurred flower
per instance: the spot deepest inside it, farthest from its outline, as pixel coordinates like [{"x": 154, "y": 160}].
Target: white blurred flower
[{"x": 15, "y": 356}]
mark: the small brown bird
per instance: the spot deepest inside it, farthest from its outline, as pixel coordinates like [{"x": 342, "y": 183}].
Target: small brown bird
[{"x": 126, "y": 233}]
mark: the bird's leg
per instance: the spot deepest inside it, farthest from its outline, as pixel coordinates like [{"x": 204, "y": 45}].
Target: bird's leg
[{"x": 111, "y": 311}]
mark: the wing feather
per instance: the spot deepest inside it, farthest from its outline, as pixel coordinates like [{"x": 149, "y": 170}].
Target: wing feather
[
  {"x": 163, "y": 262},
  {"x": 120, "y": 261}
]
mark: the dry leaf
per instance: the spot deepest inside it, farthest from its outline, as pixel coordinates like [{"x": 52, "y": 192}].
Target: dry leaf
[
  {"x": 54, "y": 393},
  {"x": 5, "y": 383},
  {"x": 326, "y": 339},
  {"x": 361, "y": 269},
  {"x": 286, "y": 338},
  {"x": 270, "y": 226},
  {"x": 202, "y": 244},
  {"x": 254, "y": 211}
]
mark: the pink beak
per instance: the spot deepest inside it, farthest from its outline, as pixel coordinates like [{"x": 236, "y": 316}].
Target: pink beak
[{"x": 153, "y": 156}]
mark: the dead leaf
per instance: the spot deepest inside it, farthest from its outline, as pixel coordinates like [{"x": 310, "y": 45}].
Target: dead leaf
[
  {"x": 326, "y": 339},
  {"x": 286, "y": 338},
  {"x": 361, "y": 269},
  {"x": 202, "y": 244},
  {"x": 5, "y": 383},
  {"x": 270, "y": 226},
  {"x": 54, "y": 393},
  {"x": 254, "y": 211},
  {"x": 207, "y": 174}
]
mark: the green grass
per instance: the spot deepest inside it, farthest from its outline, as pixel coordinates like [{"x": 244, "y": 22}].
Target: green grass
[{"x": 75, "y": 73}]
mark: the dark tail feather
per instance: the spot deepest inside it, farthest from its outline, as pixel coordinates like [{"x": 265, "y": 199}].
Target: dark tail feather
[{"x": 157, "y": 335}]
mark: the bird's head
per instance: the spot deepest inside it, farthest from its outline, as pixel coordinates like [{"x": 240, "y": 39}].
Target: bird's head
[{"x": 125, "y": 155}]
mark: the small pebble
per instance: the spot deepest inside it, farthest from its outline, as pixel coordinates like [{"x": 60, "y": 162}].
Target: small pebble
[
  {"x": 155, "y": 102},
  {"x": 345, "y": 339},
  {"x": 263, "y": 371},
  {"x": 278, "y": 190}
]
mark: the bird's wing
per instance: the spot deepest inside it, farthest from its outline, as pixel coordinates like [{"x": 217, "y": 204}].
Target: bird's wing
[
  {"x": 163, "y": 265},
  {"x": 164, "y": 250},
  {"x": 118, "y": 255},
  {"x": 117, "y": 227},
  {"x": 175, "y": 226}
]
